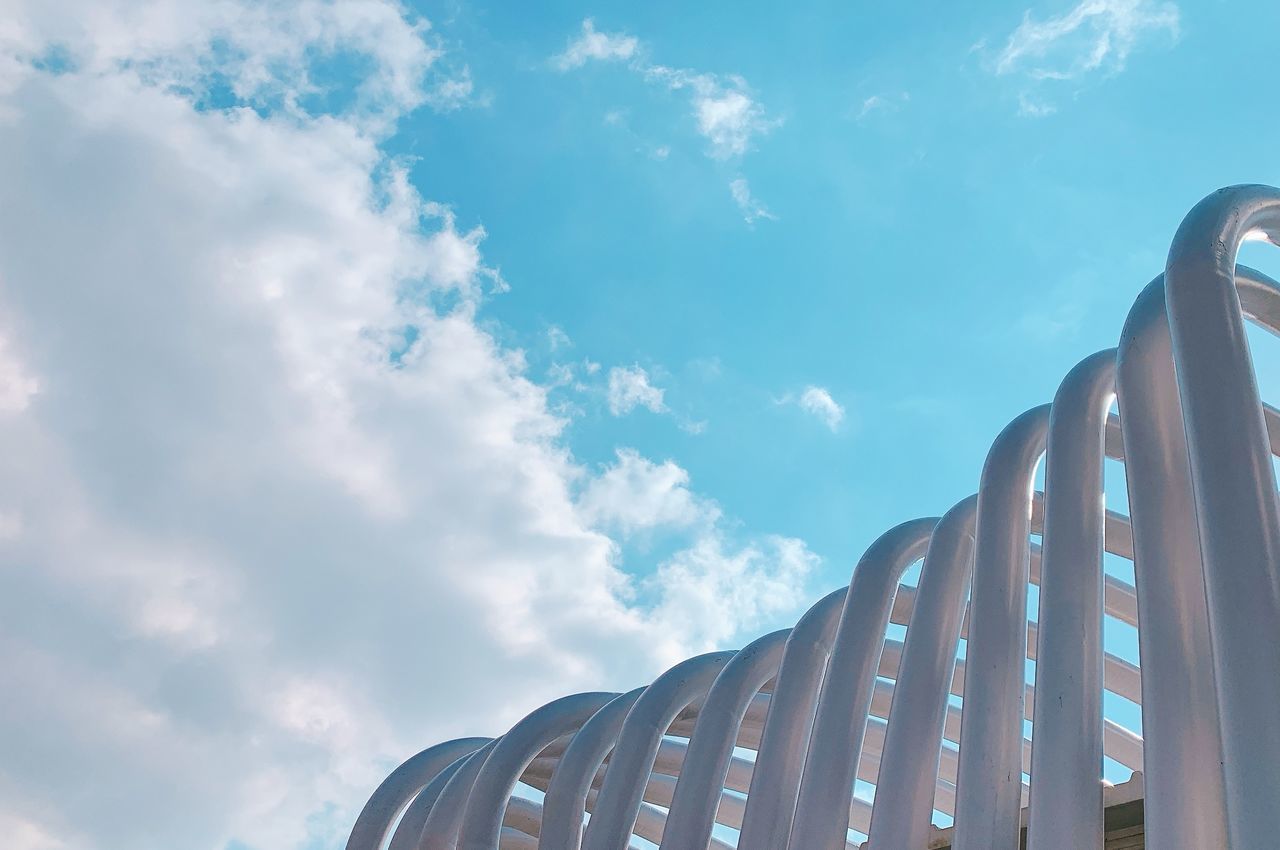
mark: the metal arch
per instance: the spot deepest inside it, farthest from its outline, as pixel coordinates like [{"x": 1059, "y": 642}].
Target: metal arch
[
  {"x": 988, "y": 797},
  {"x": 637, "y": 748},
  {"x": 771, "y": 799},
  {"x": 697, "y": 796},
  {"x": 912, "y": 748},
  {"x": 440, "y": 829},
  {"x": 493, "y": 786},
  {"x": 833, "y": 699},
  {"x": 1066, "y": 810},
  {"x": 838, "y": 727},
  {"x": 1235, "y": 492},
  {"x": 565, "y": 799},
  {"x": 400, "y": 788}
]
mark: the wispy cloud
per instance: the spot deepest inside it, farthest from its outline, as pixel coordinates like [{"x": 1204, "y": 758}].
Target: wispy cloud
[
  {"x": 723, "y": 106},
  {"x": 882, "y": 103},
  {"x": 818, "y": 403},
  {"x": 752, "y": 209},
  {"x": 1093, "y": 39},
  {"x": 727, "y": 114},
  {"x": 629, "y": 388},
  {"x": 593, "y": 44}
]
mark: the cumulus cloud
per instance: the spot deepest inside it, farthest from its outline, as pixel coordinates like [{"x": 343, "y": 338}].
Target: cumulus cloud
[
  {"x": 629, "y": 388},
  {"x": 592, "y": 44},
  {"x": 636, "y": 494},
  {"x": 706, "y": 593},
  {"x": 817, "y": 402},
  {"x": 1096, "y": 37},
  {"x": 263, "y": 457}
]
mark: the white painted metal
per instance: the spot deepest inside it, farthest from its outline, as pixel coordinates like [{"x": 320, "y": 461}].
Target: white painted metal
[{"x": 833, "y": 700}]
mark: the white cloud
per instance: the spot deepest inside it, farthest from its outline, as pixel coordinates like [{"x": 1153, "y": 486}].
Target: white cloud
[
  {"x": 592, "y": 44},
  {"x": 16, "y": 386},
  {"x": 882, "y": 103},
  {"x": 1095, "y": 37},
  {"x": 636, "y": 494},
  {"x": 557, "y": 338},
  {"x": 752, "y": 210},
  {"x": 629, "y": 388},
  {"x": 724, "y": 108},
  {"x": 275, "y": 460},
  {"x": 817, "y": 402},
  {"x": 728, "y": 118},
  {"x": 706, "y": 593},
  {"x": 728, "y": 115}
]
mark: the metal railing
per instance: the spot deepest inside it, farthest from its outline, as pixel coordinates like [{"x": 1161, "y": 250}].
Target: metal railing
[{"x": 832, "y": 701}]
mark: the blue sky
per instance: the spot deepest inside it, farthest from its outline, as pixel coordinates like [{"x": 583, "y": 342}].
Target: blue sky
[
  {"x": 374, "y": 372},
  {"x": 939, "y": 257}
]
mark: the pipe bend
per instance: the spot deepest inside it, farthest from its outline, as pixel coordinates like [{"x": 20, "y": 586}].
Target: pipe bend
[
  {"x": 771, "y": 799},
  {"x": 565, "y": 800},
  {"x": 623, "y": 790},
  {"x": 400, "y": 788},
  {"x": 822, "y": 808},
  {"x": 706, "y": 764},
  {"x": 493, "y": 786}
]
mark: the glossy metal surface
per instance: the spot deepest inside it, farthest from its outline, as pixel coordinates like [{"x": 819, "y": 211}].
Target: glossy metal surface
[
  {"x": 834, "y": 700},
  {"x": 913, "y": 741},
  {"x": 836, "y": 744},
  {"x": 637, "y": 748},
  {"x": 706, "y": 763},
  {"x": 373, "y": 826},
  {"x": 771, "y": 800},
  {"x": 482, "y": 820},
  {"x": 988, "y": 791},
  {"x": 1235, "y": 492},
  {"x": 1066, "y": 756}
]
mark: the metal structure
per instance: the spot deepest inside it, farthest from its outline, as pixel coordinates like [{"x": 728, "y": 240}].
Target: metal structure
[{"x": 832, "y": 701}]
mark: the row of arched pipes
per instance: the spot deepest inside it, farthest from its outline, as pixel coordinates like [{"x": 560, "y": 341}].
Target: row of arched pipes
[{"x": 832, "y": 701}]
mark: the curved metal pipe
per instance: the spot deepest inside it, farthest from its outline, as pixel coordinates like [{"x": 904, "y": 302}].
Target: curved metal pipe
[
  {"x": 988, "y": 801},
  {"x": 1185, "y": 797},
  {"x": 409, "y": 829},
  {"x": 698, "y": 791},
  {"x": 565, "y": 800},
  {"x": 838, "y": 726},
  {"x": 642, "y": 731},
  {"x": 903, "y": 810},
  {"x": 771, "y": 801},
  {"x": 400, "y": 787},
  {"x": 493, "y": 786},
  {"x": 1066, "y": 752},
  {"x": 1235, "y": 492},
  {"x": 440, "y": 829}
]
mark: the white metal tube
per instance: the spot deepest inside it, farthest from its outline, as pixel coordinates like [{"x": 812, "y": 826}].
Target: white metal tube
[
  {"x": 1235, "y": 493},
  {"x": 400, "y": 787},
  {"x": 642, "y": 731},
  {"x": 839, "y": 723},
  {"x": 902, "y": 814},
  {"x": 771, "y": 803},
  {"x": 565, "y": 799},
  {"x": 988, "y": 803},
  {"x": 1066, "y": 752},
  {"x": 493, "y": 786},
  {"x": 440, "y": 831},
  {"x": 1185, "y": 797},
  {"x": 705, "y": 766}
]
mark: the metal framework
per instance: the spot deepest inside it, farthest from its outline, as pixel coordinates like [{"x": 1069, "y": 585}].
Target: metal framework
[{"x": 832, "y": 700}]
